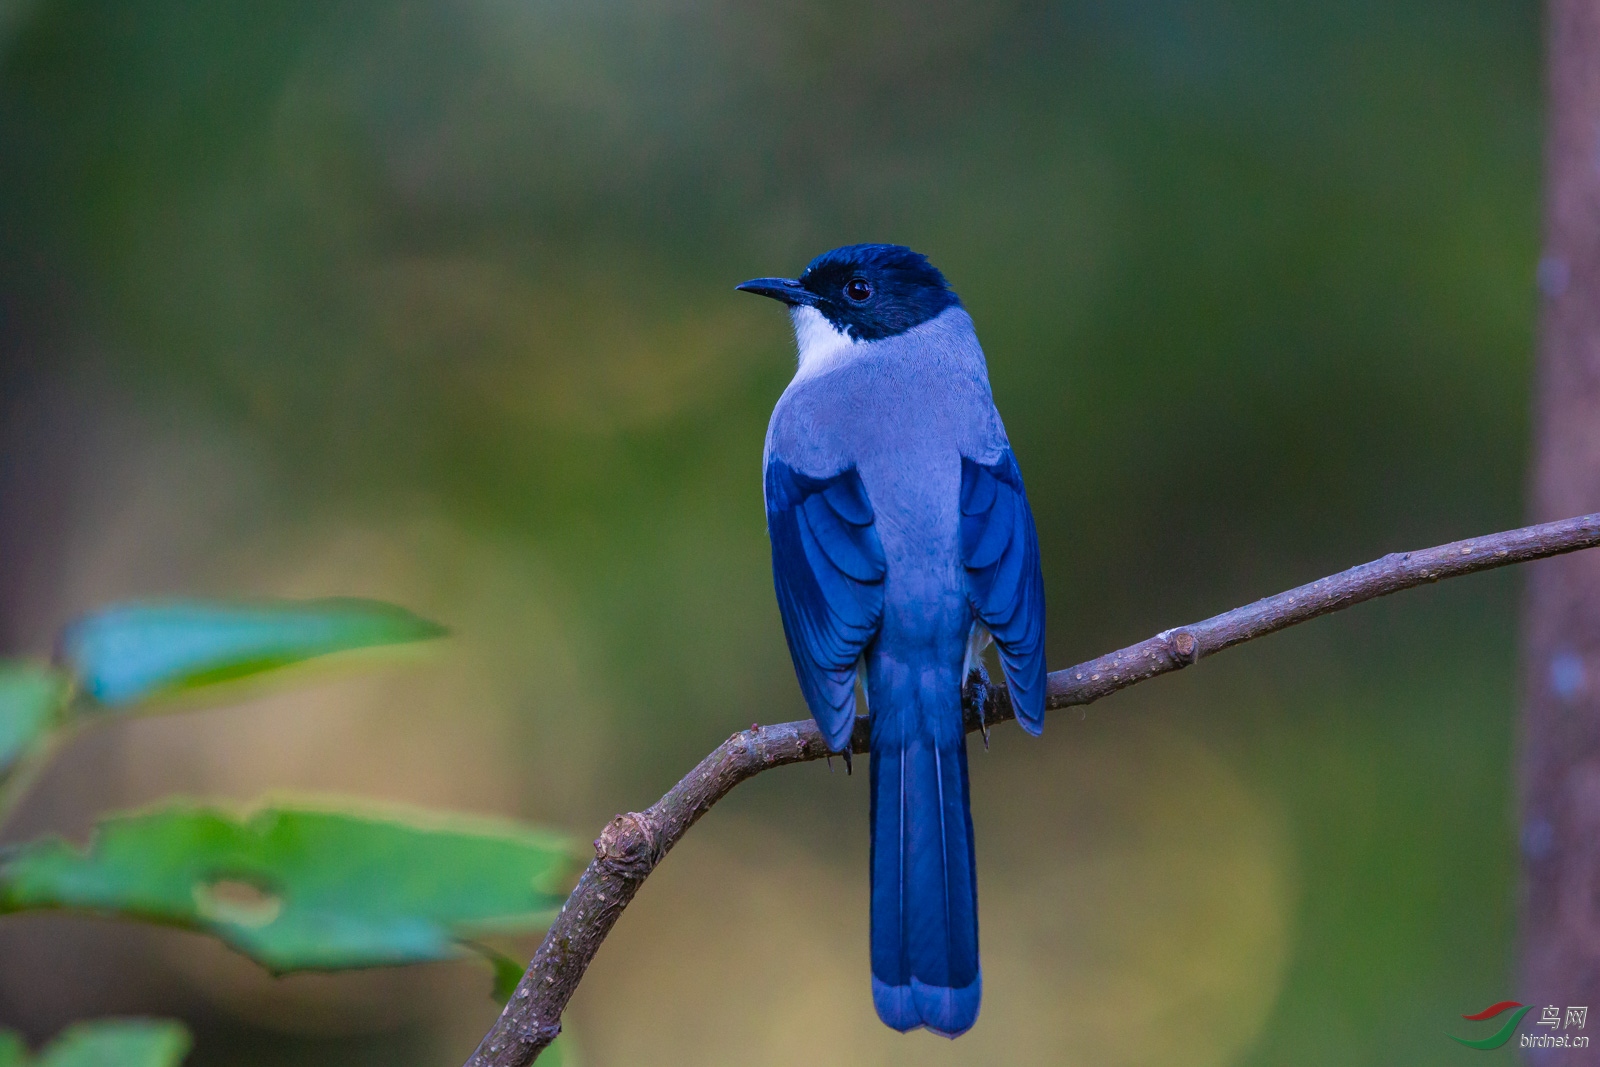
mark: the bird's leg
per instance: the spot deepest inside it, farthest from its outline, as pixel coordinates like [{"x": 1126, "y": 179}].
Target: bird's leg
[
  {"x": 977, "y": 693},
  {"x": 975, "y": 678},
  {"x": 848, "y": 770}
]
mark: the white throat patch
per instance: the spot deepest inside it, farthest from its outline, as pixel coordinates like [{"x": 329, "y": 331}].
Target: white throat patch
[{"x": 821, "y": 345}]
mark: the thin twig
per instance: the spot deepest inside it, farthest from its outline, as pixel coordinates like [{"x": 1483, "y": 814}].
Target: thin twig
[{"x": 631, "y": 845}]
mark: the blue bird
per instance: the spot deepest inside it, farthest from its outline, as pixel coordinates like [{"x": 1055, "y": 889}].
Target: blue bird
[{"x": 902, "y": 543}]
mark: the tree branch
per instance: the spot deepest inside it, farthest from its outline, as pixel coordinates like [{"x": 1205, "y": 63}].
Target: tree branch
[{"x": 631, "y": 845}]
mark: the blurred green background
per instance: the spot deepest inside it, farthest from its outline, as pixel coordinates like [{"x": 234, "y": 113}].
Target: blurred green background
[{"x": 431, "y": 301}]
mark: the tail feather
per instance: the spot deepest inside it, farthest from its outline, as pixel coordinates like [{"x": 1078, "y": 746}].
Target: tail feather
[{"x": 925, "y": 968}]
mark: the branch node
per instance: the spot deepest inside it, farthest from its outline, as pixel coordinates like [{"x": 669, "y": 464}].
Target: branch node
[
  {"x": 628, "y": 847},
  {"x": 1183, "y": 646}
]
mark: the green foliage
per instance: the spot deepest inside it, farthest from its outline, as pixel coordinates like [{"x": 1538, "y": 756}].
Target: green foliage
[
  {"x": 293, "y": 886},
  {"x": 300, "y": 887},
  {"x": 31, "y": 697},
  {"x": 507, "y": 971},
  {"x": 104, "y": 1043},
  {"x": 130, "y": 653}
]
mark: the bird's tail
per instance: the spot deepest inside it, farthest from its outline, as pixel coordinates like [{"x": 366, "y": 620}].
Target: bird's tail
[{"x": 924, "y": 881}]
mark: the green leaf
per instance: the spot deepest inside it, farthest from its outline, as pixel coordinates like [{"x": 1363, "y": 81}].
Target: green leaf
[
  {"x": 117, "y": 1043},
  {"x": 507, "y": 971},
  {"x": 132, "y": 652},
  {"x": 104, "y": 1043},
  {"x": 299, "y": 887},
  {"x": 30, "y": 697}
]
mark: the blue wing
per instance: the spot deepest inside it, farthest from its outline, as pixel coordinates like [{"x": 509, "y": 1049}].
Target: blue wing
[
  {"x": 827, "y": 565},
  {"x": 1000, "y": 550}
]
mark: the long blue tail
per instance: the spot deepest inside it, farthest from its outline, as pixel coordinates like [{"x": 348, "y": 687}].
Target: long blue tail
[{"x": 924, "y": 880}]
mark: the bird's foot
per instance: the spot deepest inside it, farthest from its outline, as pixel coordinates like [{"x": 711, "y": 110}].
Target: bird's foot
[{"x": 976, "y": 696}]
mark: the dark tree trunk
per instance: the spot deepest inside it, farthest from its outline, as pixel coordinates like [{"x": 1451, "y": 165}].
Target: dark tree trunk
[{"x": 1560, "y": 762}]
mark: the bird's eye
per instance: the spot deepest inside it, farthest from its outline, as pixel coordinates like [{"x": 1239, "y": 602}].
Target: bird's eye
[{"x": 858, "y": 289}]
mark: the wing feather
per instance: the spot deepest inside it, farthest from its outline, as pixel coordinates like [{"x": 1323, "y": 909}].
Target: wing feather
[
  {"x": 827, "y": 568},
  {"x": 1000, "y": 550}
]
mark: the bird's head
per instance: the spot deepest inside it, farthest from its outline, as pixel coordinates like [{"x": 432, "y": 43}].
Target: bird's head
[{"x": 864, "y": 292}]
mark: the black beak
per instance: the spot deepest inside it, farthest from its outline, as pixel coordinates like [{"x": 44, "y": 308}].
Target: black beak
[{"x": 786, "y": 290}]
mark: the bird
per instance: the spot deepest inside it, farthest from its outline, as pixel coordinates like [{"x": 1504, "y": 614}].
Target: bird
[{"x": 902, "y": 545}]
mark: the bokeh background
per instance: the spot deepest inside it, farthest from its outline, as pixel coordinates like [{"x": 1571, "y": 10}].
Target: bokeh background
[{"x": 431, "y": 300}]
